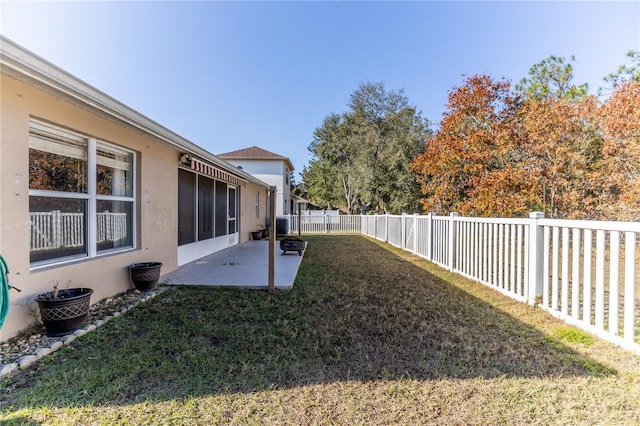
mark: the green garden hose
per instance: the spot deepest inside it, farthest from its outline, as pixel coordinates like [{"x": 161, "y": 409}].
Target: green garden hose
[{"x": 4, "y": 290}]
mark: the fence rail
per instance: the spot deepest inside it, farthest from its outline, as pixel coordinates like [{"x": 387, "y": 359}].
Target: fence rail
[{"x": 586, "y": 273}]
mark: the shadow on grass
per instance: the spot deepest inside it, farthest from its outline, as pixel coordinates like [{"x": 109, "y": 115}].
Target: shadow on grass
[{"x": 357, "y": 312}]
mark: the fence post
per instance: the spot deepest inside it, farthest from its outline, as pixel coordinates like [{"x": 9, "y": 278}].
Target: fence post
[
  {"x": 271, "y": 261},
  {"x": 536, "y": 250},
  {"x": 452, "y": 240},
  {"x": 375, "y": 225},
  {"x": 415, "y": 233},
  {"x": 430, "y": 237},
  {"x": 403, "y": 231},
  {"x": 324, "y": 220},
  {"x": 386, "y": 227}
]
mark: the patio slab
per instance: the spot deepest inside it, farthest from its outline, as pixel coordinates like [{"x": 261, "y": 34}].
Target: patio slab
[{"x": 243, "y": 265}]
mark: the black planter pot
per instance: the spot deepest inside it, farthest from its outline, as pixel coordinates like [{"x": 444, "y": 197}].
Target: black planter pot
[
  {"x": 257, "y": 235},
  {"x": 145, "y": 275},
  {"x": 66, "y": 312}
]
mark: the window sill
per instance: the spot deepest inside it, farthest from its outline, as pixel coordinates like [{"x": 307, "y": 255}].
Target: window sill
[{"x": 77, "y": 260}]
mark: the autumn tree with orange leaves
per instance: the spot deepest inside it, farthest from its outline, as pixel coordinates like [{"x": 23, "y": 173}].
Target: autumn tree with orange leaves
[
  {"x": 563, "y": 151},
  {"x": 505, "y": 153},
  {"x": 619, "y": 178},
  {"x": 474, "y": 164}
]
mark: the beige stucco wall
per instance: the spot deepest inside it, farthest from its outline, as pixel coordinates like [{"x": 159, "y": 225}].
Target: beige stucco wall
[
  {"x": 248, "y": 220},
  {"x": 156, "y": 201}
]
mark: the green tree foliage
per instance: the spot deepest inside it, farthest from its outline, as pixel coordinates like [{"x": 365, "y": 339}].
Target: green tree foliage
[
  {"x": 320, "y": 184},
  {"x": 547, "y": 145},
  {"x": 332, "y": 178},
  {"x": 361, "y": 157},
  {"x": 624, "y": 73},
  {"x": 551, "y": 78}
]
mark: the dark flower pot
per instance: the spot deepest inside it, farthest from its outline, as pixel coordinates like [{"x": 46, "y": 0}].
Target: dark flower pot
[
  {"x": 145, "y": 275},
  {"x": 66, "y": 312},
  {"x": 257, "y": 235}
]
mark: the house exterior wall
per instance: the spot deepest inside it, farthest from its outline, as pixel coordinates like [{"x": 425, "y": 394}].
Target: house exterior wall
[
  {"x": 155, "y": 213},
  {"x": 273, "y": 172},
  {"x": 34, "y": 95},
  {"x": 250, "y": 220}
]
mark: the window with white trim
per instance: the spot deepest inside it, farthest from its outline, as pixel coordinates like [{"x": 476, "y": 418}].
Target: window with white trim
[
  {"x": 81, "y": 195},
  {"x": 257, "y": 204}
]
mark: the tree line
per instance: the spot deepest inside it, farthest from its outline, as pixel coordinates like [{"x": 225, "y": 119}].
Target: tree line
[{"x": 544, "y": 144}]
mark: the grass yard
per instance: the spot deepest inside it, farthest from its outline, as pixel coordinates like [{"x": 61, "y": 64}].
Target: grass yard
[{"x": 368, "y": 335}]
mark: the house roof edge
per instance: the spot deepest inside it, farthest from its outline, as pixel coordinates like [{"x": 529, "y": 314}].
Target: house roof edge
[{"x": 26, "y": 66}]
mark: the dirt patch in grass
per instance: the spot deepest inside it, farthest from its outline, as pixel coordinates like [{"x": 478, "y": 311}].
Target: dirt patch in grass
[{"x": 368, "y": 335}]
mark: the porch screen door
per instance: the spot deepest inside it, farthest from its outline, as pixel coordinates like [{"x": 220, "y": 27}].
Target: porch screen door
[{"x": 232, "y": 209}]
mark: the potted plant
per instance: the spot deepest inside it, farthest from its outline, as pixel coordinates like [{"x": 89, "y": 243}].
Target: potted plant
[
  {"x": 256, "y": 235},
  {"x": 63, "y": 311},
  {"x": 145, "y": 275}
]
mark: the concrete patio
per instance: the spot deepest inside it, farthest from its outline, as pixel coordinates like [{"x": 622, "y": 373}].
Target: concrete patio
[{"x": 243, "y": 265}]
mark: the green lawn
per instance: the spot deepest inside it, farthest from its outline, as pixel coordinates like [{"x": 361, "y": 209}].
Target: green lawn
[{"x": 368, "y": 335}]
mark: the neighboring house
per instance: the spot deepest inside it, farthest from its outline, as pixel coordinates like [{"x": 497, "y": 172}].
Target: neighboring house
[
  {"x": 269, "y": 167},
  {"x": 90, "y": 186},
  {"x": 299, "y": 204},
  {"x": 308, "y": 208}
]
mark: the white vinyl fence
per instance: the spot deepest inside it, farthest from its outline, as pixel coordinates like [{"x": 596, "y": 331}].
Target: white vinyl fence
[
  {"x": 584, "y": 272},
  {"x": 111, "y": 226},
  {"x": 53, "y": 230},
  {"x": 311, "y": 224}
]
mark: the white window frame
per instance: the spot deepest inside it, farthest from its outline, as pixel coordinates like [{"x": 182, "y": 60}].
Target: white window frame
[{"x": 91, "y": 198}]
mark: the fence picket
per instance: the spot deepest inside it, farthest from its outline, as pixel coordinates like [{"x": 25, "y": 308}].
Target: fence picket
[
  {"x": 519, "y": 260},
  {"x": 614, "y": 277},
  {"x": 565, "y": 272},
  {"x": 586, "y": 299},
  {"x": 555, "y": 267},
  {"x": 575, "y": 276},
  {"x": 514, "y": 267},
  {"x": 629, "y": 288},
  {"x": 600, "y": 239}
]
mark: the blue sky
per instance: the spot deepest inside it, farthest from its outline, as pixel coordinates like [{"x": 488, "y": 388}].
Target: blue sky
[{"x": 229, "y": 75}]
